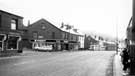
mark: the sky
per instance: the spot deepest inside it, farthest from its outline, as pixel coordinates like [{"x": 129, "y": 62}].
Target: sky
[{"x": 109, "y": 17}]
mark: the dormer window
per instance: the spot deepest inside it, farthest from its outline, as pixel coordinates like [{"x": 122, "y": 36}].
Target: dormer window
[{"x": 13, "y": 24}]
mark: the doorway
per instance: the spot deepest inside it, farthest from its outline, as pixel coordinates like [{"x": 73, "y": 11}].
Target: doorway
[
  {"x": 2, "y": 36},
  {"x": 12, "y": 43}
]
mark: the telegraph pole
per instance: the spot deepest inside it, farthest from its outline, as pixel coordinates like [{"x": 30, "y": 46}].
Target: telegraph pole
[{"x": 117, "y": 35}]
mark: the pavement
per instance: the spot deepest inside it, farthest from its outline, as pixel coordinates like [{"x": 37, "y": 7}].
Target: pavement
[
  {"x": 26, "y": 52},
  {"x": 117, "y": 65},
  {"x": 29, "y": 52}
]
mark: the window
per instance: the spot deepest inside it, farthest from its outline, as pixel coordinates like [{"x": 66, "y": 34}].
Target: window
[
  {"x": 12, "y": 43},
  {"x": 35, "y": 34},
  {"x": 13, "y": 24},
  {"x": 1, "y": 37},
  {"x": 66, "y": 36},
  {"x": 72, "y": 37},
  {"x": 63, "y": 35},
  {"x": 53, "y": 35}
]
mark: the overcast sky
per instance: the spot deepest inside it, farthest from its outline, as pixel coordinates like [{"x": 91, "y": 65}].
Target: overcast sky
[{"x": 101, "y": 16}]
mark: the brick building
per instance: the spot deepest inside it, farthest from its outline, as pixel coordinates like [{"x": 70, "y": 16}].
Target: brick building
[
  {"x": 10, "y": 32},
  {"x": 74, "y": 40},
  {"x": 45, "y": 36}
]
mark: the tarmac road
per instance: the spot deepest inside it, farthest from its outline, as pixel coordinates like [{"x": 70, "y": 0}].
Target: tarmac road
[{"x": 81, "y": 63}]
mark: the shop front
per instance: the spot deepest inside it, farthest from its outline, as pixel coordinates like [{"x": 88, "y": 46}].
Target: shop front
[
  {"x": 73, "y": 45},
  {"x": 13, "y": 42},
  {"x": 10, "y": 42},
  {"x": 70, "y": 45},
  {"x": 46, "y": 45},
  {"x": 64, "y": 45}
]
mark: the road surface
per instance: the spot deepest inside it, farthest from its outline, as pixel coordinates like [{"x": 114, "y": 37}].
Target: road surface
[{"x": 81, "y": 63}]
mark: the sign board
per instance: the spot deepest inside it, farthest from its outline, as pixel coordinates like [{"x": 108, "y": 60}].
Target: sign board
[{"x": 65, "y": 41}]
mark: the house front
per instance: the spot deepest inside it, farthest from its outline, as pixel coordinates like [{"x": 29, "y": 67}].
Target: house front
[{"x": 10, "y": 32}]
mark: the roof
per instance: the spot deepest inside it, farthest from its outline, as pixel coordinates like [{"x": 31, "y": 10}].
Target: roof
[
  {"x": 11, "y": 14},
  {"x": 71, "y": 31},
  {"x": 61, "y": 29},
  {"x": 92, "y": 39},
  {"x": 44, "y": 20}
]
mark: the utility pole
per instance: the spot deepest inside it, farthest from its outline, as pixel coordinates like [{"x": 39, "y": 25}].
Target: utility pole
[{"x": 117, "y": 35}]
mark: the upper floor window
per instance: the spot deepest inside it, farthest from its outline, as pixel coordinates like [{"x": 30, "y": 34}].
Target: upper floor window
[
  {"x": 72, "y": 37},
  {"x": 13, "y": 24},
  {"x": 35, "y": 34},
  {"x": 53, "y": 35},
  {"x": 63, "y": 35}
]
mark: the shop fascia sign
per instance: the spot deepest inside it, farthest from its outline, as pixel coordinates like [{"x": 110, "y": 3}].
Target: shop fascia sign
[{"x": 41, "y": 40}]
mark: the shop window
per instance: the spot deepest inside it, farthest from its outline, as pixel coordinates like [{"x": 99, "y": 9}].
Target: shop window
[
  {"x": 13, "y": 24},
  {"x": 12, "y": 42},
  {"x": 1, "y": 41},
  {"x": 1, "y": 37},
  {"x": 42, "y": 46}
]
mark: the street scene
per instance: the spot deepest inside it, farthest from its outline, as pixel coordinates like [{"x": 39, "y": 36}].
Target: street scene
[{"x": 67, "y": 38}]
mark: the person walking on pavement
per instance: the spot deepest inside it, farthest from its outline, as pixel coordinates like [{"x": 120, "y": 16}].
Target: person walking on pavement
[{"x": 125, "y": 60}]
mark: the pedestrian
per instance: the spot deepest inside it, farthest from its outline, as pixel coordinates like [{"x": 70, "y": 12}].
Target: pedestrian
[{"x": 125, "y": 60}]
